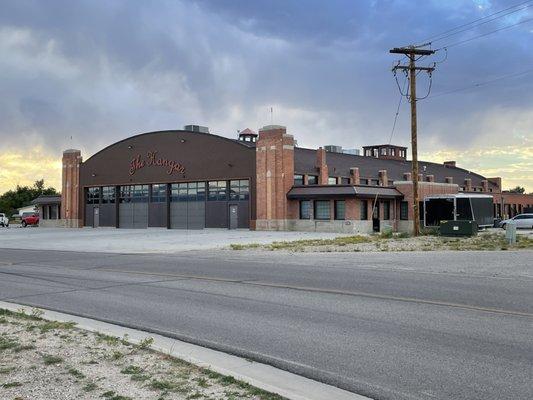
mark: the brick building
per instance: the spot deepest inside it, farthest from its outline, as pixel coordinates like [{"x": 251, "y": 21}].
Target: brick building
[{"x": 191, "y": 179}]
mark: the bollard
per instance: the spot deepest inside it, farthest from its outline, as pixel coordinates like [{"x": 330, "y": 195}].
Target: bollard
[{"x": 510, "y": 232}]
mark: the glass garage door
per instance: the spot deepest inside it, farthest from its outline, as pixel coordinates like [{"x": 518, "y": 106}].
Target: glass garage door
[
  {"x": 133, "y": 206},
  {"x": 187, "y": 205}
]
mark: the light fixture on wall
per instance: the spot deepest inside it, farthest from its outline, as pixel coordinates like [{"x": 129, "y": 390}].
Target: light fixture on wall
[
  {"x": 182, "y": 140},
  {"x": 93, "y": 174},
  {"x": 130, "y": 147}
]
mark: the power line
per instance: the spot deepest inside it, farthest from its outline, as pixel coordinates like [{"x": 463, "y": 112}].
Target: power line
[
  {"x": 479, "y": 84},
  {"x": 484, "y": 34},
  {"x": 478, "y": 25},
  {"x": 397, "y": 109},
  {"x": 433, "y": 38}
]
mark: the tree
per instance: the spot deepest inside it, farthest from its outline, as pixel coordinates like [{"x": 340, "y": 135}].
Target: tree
[
  {"x": 23, "y": 195},
  {"x": 518, "y": 189}
]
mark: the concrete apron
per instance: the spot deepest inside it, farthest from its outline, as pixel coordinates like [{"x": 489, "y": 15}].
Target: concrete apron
[{"x": 266, "y": 377}]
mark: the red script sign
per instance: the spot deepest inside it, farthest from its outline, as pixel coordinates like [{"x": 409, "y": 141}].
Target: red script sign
[{"x": 152, "y": 159}]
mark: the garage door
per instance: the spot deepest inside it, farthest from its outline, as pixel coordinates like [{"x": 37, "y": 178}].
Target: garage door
[
  {"x": 187, "y": 205},
  {"x": 133, "y": 206}
]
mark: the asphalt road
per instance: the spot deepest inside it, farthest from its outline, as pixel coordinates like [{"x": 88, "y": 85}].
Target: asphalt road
[{"x": 431, "y": 325}]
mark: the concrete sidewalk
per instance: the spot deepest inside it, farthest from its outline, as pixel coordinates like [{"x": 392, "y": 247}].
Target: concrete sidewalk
[
  {"x": 286, "y": 384},
  {"x": 151, "y": 240}
]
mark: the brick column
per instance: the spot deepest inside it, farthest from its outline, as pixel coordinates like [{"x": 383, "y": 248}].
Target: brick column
[
  {"x": 468, "y": 185},
  {"x": 407, "y": 176},
  {"x": 355, "y": 178},
  {"x": 275, "y": 177},
  {"x": 70, "y": 191},
  {"x": 485, "y": 185},
  {"x": 323, "y": 173},
  {"x": 383, "y": 179}
]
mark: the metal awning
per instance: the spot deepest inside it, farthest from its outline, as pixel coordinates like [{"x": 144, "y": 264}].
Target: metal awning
[
  {"x": 46, "y": 200},
  {"x": 341, "y": 191}
]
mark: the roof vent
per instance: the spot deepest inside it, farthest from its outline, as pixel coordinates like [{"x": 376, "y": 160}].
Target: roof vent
[
  {"x": 196, "y": 128},
  {"x": 449, "y": 164}
]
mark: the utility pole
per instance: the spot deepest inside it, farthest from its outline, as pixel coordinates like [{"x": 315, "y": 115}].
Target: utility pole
[{"x": 412, "y": 52}]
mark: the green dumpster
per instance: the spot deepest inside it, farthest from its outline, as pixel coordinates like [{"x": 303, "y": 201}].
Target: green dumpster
[{"x": 458, "y": 228}]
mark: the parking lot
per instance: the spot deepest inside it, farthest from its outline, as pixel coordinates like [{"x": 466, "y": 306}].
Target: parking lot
[{"x": 139, "y": 240}]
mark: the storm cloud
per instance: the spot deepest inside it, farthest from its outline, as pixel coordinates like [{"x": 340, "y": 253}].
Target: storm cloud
[{"x": 85, "y": 74}]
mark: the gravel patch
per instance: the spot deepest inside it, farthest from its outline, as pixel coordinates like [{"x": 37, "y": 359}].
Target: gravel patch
[
  {"x": 487, "y": 240},
  {"x": 42, "y": 360}
]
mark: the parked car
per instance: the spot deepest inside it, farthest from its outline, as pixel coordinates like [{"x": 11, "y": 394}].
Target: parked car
[
  {"x": 29, "y": 219},
  {"x": 4, "y": 221},
  {"x": 521, "y": 221}
]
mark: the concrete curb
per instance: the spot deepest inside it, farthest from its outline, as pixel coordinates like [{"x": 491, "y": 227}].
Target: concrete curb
[{"x": 266, "y": 377}]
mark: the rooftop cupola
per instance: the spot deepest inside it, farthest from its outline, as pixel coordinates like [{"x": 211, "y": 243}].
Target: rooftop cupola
[
  {"x": 247, "y": 135},
  {"x": 386, "y": 151}
]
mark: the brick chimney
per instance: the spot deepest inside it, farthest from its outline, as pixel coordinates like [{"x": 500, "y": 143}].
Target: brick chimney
[
  {"x": 468, "y": 185},
  {"x": 498, "y": 182},
  {"x": 323, "y": 173},
  {"x": 448, "y": 179},
  {"x": 485, "y": 185},
  {"x": 355, "y": 178},
  {"x": 70, "y": 190},
  {"x": 383, "y": 179},
  {"x": 430, "y": 178},
  {"x": 275, "y": 176},
  {"x": 449, "y": 164},
  {"x": 420, "y": 177}
]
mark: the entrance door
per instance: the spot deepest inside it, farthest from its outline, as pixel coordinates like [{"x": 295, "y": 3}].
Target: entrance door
[
  {"x": 96, "y": 217},
  {"x": 233, "y": 216},
  {"x": 375, "y": 218}
]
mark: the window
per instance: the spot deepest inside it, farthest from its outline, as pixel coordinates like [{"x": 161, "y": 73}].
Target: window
[
  {"x": 364, "y": 210},
  {"x": 305, "y": 209},
  {"x": 93, "y": 195},
  {"x": 332, "y": 180},
  {"x": 46, "y": 212},
  {"x": 383, "y": 151},
  {"x": 108, "y": 195},
  {"x": 191, "y": 191},
  {"x": 404, "y": 211},
  {"x": 375, "y": 152},
  {"x": 298, "y": 179},
  {"x": 178, "y": 192},
  {"x": 345, "y": 181},
  {"x": 54, "y": 212},
  {"x": 393, "y": 152},
  {"x": 134, "y": 194},
  {"x": 239, "y": 190},
  {"x": 340, "y": 209},
  {"x": 386, "y": 210},
  {"x": 421, "y": 210},
  {"x": 217, "y": 191},
  {"x": 312, "y": 180},
  {"x": 363, "y": 181},
  {"x": 322, "y": 209},
  {"x": 159, "y": 193}
]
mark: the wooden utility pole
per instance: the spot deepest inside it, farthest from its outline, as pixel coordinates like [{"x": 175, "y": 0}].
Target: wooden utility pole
[{"x": 412, "y": 52}]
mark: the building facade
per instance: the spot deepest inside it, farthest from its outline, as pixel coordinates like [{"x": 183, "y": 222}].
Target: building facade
[{"x": 191, "y": 179}]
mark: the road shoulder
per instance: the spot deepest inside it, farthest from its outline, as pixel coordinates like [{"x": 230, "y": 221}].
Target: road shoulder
[{"x": 263, "y": 376}]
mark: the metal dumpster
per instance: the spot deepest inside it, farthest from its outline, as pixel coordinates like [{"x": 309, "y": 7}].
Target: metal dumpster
[{"x": 458, "y": 228}]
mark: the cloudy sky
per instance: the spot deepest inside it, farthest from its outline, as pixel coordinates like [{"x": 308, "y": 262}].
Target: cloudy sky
[{"x": 84, "y": 74}]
